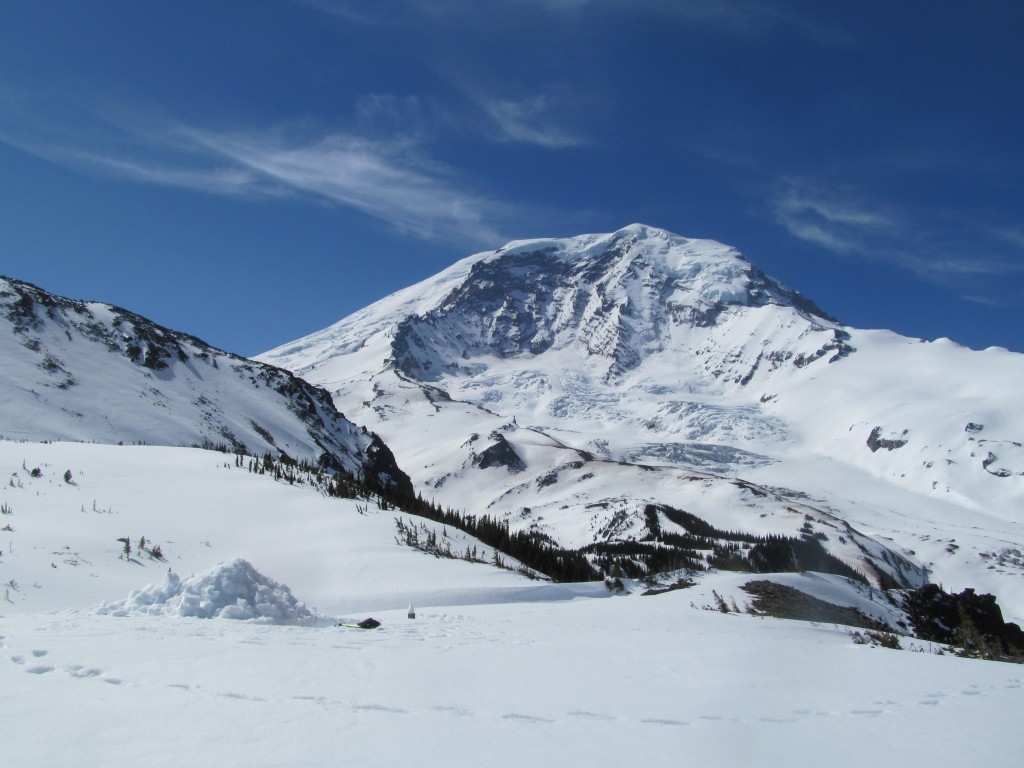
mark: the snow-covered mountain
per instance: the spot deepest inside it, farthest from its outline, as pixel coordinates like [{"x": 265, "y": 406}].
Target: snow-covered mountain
[
  {"x": 566, "y": 385},
  {"x": 592, "y": 421},
  {"x": 92, "y": 372}
]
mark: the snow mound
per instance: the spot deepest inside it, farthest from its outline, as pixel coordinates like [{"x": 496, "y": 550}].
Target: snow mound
[{"x": 232, "y": 590}]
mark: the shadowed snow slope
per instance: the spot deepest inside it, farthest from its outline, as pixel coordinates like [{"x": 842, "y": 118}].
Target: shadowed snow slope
[
  {"x": 92, "y": 372},
  {"x": 611, "y": 371}
]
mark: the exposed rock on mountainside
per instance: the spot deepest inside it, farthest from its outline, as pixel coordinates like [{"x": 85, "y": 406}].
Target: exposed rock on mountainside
[
  {"x": 640, "y": 367},
  {"x": 92, "y": 372}
]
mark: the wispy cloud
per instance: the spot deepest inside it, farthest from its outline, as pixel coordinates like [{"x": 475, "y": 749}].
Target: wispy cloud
[
  {"x": 989, "y": 301},
  {"x": 349, "y": 10},
  {"x": 742, "y": 17},
  {"x": 387, "y": 181},
  {"x": 394, "y": 180},
  {"x": 827, "y": 219},
  {"x": 528, "y": 121},
  {"x": 1014, "y": 237},
  {"x": 842, "y": 222}
]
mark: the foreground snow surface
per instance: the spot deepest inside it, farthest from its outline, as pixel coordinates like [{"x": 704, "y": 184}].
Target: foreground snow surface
[
  {"x": 495, "y": 669},
  {"x": 627, "y": 681}
]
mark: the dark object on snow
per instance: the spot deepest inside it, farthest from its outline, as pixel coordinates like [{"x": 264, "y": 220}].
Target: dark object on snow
[
  {"x": 969, "y": 620},
  {"x": 364, "y": 624}
]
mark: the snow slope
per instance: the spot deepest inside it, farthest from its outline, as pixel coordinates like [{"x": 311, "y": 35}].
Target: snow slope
[
  {"x": 92, "y": 372},
  {"x": 65, "y": 548},
  {"x": 566, "y": 383},
  {"x": 96, "y": 668}
]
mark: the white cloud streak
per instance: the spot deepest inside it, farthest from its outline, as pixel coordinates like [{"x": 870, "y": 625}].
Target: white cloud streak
[
  {"x": 393, "y": 181},
  {"x": 385, "y": 181},
  {"x": 836, "y": 224},
  {"x": 528, "y": 121},
  {"x": 1014, "y": 237},
  {"x": 845, "y": 225},
  {"x": 743, "y": 17}
]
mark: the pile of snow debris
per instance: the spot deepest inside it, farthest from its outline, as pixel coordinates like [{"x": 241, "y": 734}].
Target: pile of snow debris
[{"x": 233, "y": 590}]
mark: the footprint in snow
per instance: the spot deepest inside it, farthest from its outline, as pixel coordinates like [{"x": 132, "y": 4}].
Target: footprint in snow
[
  {"x": 38, "y": 670},
  {"x": 662, "y": 721},
  {"x": 457, "y": 711},
  {"x": 868, "y": 712},
  {"x": 18, "y": 659},
  {"x": 39, "y": 654},
  {"x": 80, "y": 672},
  {"x": 380, "y": 708},
  {"x": 239, "y": 696},
  {"x": 526, "y": 718},
  {"x": 591, "y": 715},
  {"x": 326, "y": 703}
]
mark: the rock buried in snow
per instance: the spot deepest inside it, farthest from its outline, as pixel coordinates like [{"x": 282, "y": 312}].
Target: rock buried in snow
[{"x": 232, "y": 590}]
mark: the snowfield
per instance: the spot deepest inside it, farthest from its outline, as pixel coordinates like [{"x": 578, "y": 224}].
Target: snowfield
[{"x": 97, "y": 668}]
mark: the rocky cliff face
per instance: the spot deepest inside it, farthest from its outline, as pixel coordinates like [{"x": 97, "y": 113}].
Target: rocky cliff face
[{"x": 618, "y": 299}]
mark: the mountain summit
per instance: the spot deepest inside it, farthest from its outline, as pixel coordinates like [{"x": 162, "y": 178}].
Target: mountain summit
[{"x": 618, "y": 298}]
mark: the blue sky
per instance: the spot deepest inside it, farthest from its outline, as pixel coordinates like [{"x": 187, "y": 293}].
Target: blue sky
[{"x": 250, "y": 172}]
